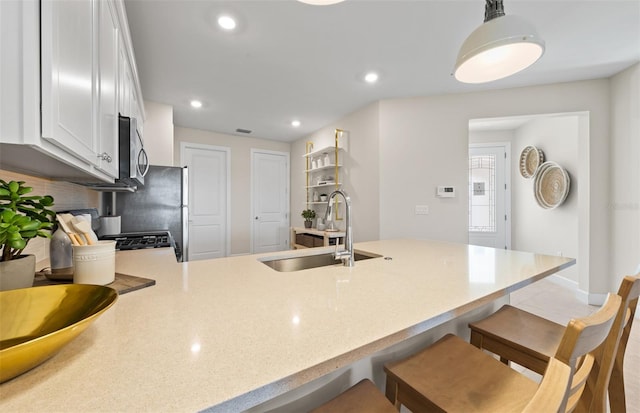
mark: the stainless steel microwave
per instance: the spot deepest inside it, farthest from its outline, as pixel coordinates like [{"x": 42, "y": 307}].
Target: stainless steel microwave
[{"x": 134, "y": 162}]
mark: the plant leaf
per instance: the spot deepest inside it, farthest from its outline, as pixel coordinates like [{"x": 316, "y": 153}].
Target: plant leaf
[{"x": 14, "y": 186}]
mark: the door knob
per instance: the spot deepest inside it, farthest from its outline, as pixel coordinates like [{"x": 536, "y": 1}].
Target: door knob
[{"x": 256, "y": 217}]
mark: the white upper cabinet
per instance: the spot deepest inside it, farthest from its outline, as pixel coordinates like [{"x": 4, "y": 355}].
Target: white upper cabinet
[
  {"x": 129, "y": 103},
  {"x": 68, "y": 76},
  {"x": 67, "y": 71},
  {"x": 108, "y": 88},
  {"x": 125, "y": 80}
]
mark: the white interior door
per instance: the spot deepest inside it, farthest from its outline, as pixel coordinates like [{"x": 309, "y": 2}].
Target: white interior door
[
  {"x": 270, "y": 199},
  {"x": 208, "y": 200},
  {"x": 489, "y": 195}
]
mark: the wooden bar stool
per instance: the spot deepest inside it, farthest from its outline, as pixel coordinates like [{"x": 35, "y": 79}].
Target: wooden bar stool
[
  {"x": 524, "y": 338},
  {"x": 364, "y": 397},
  {"x": 453, "y": 376}
]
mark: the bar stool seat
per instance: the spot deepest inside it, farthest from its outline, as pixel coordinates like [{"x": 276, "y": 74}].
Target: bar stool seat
[
  {"x": 481, "y": 383},
  {"x": 363, "y": 397},
  {"x": 501, "y": 333}
]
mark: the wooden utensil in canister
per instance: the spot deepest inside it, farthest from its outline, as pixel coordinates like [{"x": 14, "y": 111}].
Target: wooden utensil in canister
[
  {"x": 75, "y": 239},
  {"x": 84, "y": 228}
]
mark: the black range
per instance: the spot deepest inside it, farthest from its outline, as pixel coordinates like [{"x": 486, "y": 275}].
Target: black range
[{"x": 142, "y": 240}]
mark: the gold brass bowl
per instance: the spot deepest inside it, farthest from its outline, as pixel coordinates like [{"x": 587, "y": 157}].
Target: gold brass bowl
[{"x": 37, "y": 322}]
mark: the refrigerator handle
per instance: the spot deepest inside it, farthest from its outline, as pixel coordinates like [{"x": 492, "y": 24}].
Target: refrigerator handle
[
  {"x": 185, "y": 186},
  {"x": 185, "y": 214}
]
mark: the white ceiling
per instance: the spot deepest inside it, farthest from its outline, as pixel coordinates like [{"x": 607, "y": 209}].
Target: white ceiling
[{"x": 288, "y": 60}]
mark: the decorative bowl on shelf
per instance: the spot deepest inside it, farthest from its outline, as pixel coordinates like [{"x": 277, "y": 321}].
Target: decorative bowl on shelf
[{"x": 35, "y": 323}]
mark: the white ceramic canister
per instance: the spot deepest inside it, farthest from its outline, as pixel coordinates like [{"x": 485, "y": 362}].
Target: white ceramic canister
[
  {"x": 94, "y": 264},
  {"x": 109, "y": 225}
]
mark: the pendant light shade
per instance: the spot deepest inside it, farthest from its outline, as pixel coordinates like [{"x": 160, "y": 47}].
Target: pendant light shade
[{"x": 502, "y": 46}]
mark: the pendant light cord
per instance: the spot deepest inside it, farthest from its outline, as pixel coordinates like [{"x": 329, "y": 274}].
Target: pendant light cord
[{"x": 493, "y": 9}]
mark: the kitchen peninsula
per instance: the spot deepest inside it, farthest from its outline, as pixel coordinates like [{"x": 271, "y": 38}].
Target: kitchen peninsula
[{"x": 231, "y": 333}]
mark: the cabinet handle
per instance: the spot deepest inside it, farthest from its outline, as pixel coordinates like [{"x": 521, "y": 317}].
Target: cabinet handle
[{"x": 105, "y": 157}]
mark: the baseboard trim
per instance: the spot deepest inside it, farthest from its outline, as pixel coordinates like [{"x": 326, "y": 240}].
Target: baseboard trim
[
  {"x": 583, "y": 296},
  {"x": 591, "y": 298},
  {"x": 565, "y": 282}
]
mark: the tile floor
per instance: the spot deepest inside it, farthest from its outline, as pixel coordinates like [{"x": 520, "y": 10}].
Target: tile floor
[{"x": 556, "y": 302}]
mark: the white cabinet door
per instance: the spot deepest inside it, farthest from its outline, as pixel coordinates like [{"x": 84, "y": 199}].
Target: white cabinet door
[
  {"x": 135, "y": 113},
  {"x": 125, "y": 81},
  {"x": 108, "y": 108},
  {"x": 139, "y": 116},
  {"x": 68, "y": 76}
]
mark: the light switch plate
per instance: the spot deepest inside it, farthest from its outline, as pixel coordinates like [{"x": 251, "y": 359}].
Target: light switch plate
[{"x": 422, "y": 209}]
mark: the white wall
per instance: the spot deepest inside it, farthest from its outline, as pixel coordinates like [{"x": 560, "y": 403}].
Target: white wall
[
  {"x": 423, "y": 143},
  {"x": 548, "y": 231},
  {"x": 360, "y": 174},
  {"x": 158, "y": 133},
  {"x": 492, "y": 136},
  {"x": 240, "y": 176},
  {"x": 624, "y": 198}
]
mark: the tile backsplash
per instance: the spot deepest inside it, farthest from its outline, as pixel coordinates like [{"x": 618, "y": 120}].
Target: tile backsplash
[{"x": 66, "y": 196}]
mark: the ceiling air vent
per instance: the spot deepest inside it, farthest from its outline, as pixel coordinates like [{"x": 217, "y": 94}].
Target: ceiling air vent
[{"x": 239, "y": 130}]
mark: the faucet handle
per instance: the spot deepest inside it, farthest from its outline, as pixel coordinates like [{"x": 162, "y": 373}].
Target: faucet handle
[{"x": 341, "y": 254}]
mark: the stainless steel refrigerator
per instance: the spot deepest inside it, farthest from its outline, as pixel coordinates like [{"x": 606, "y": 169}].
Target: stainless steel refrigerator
[{"x": 161, "y": 204}]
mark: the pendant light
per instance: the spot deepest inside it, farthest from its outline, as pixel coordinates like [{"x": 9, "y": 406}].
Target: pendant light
[{"x": 500, "y": 47}]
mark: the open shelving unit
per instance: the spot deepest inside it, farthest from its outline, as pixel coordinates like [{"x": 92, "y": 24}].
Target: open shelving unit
[
  {"x": 311, "y": 238},
  {"x": 323, "y": 160},
  {"x": 323, "y": 172}
]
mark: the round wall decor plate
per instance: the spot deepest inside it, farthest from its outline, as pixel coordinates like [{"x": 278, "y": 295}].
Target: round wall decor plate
[
  {"x": 536, "y": 186},
  {"x": 530, "y": 160},
  {"x": 552, "y": 185}
]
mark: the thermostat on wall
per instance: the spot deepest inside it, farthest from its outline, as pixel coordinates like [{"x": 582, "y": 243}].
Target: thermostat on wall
[{"x": 446, "y": 191}]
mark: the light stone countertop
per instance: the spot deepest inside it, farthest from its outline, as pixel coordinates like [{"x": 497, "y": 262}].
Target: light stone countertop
[{"x": 231, "y": 332}]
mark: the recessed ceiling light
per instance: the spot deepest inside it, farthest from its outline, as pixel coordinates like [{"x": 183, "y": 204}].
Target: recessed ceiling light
[
  {"x": 295, "y": 123},
  {"x": 196, "y": 104},
  {"x": 227, "y": 22},
  {"x": 371, "y": 77}
]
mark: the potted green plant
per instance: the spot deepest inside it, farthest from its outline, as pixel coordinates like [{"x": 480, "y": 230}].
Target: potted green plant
[
  {"x": 308, "y": 215},
  {"x": 22, "y": 218}
]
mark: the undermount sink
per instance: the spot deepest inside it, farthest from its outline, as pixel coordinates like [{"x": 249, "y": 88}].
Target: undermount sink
[
  {"x": 306, "y": 262},
  {"x": 37, "y": 322}
]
